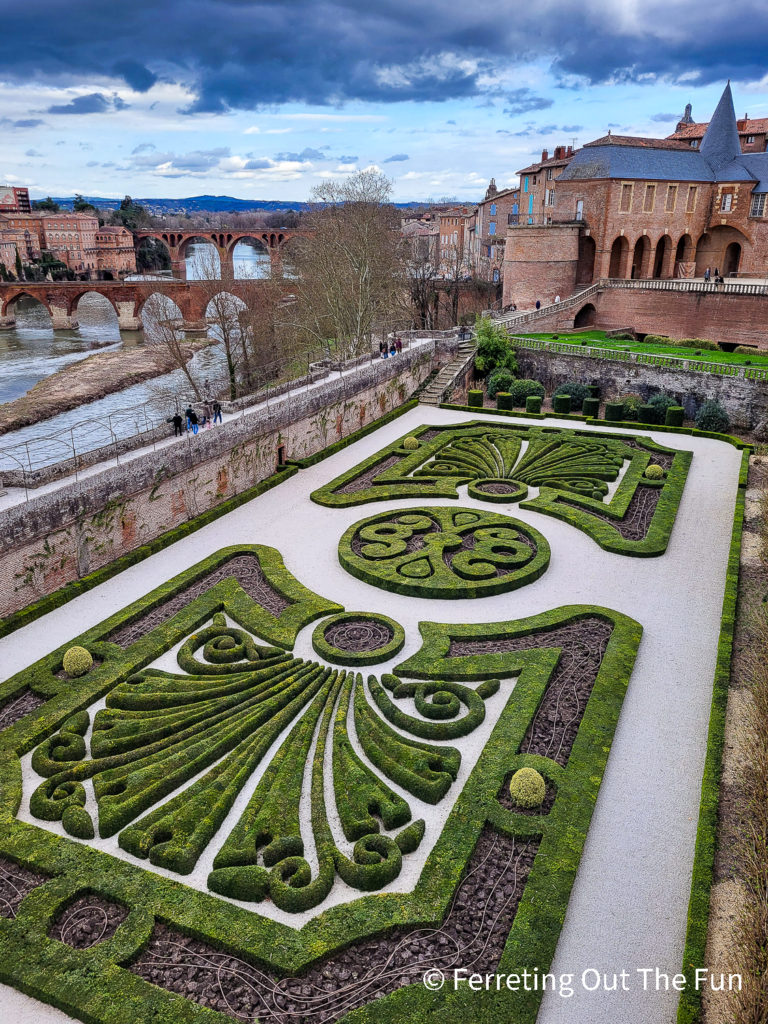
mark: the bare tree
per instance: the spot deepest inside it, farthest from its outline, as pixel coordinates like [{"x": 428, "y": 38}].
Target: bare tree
[
  {"x": 161, "y": 328},
  {"x": 351, "y": 271},
  {"x": 456, "y": 267}
]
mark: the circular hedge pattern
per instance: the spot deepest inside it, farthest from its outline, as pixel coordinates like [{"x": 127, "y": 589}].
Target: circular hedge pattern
[
  {"x": 444, "y": 552},
  {"x": 358, "y": 638},
  {"x": 491, "y": 488}
]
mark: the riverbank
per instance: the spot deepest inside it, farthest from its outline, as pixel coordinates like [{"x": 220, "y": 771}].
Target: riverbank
[{"x": 88, "y": 380}]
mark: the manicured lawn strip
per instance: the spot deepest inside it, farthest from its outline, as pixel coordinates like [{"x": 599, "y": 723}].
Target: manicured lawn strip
[
  {"x": 690, "y": 1008},
  {"x": 597, "y": 339}
]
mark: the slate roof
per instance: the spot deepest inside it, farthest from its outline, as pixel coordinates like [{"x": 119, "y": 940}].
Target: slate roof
[{"x": 718, "y": 158}]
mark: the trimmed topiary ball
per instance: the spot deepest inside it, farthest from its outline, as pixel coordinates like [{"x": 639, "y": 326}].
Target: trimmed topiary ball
[
  {"x": 527, "y": 788},
  {"x": 77, "y": 661},
  {"x": 654, "y": 472},
  {"x": 411, "y": 443}
]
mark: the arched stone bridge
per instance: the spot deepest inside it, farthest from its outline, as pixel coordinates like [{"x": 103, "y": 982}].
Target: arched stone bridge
[
  {"x": 61, "y": 298},
  {"x": 177, "y": 243}
]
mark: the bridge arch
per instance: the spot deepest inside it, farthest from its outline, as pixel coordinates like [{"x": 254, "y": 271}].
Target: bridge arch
[
  {"x": 9, "y": 305},
  {"x": 207, "y": 264},
  {"x": 261, "y": 256},
  {"x": 94, "y": 297},
  {"x": 153, "y": 253},
  {"x": 720, "y": 248}
]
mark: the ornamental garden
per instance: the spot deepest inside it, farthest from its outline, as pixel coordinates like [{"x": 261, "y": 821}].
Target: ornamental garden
[{"x": 428, "y": 704}]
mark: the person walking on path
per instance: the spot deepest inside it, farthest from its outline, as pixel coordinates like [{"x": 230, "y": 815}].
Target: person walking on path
[
  {"x": 707, "y": 275},
  {"x": 538, "y": 304},
  {"x": 177, "y": 425},
  {"x": 217, "y": 413},
  {"x": 207, "y": 416},
  {"x": 398, "y": 345},
  {"x": 382, "y": 346},
  {"x": 193, "y": 421},
  {"x": 188, "y": 414}
]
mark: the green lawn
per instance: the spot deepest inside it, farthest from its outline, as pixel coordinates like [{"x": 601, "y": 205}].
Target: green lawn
[{"x": 597, "y": 339}]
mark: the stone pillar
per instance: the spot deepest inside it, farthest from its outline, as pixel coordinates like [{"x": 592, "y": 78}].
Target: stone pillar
[
  {"x": 540, "y": 262},
  {"x": 61, "y": 319},
  {"x": 178, "y": 266},
  {"x": 126, "y": 316},
  {"x": 226, "y": 263}
]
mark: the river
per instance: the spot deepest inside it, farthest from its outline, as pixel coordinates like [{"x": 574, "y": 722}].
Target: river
[{"x": 32, "y": 351}]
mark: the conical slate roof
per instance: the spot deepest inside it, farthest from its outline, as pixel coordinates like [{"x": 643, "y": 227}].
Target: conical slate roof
[{"x": 720, "y": 145}]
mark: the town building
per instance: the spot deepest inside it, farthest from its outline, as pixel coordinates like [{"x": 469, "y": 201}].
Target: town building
[
  {"x": 753, "y": 132},
  {"x": 455, "y": 232},
  {"x": 14, "y": 200},
  {"x": 537, "y": 184},
  {"x": 499, "y": 209},
  {"x": 74, "y": 239},
  {"x": 628, "y": 207}
]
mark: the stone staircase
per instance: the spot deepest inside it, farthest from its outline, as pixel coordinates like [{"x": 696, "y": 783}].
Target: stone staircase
[{"x": 435, "y": 393}]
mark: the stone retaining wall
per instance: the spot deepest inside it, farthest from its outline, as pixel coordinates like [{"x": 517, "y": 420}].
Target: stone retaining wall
[
  {"x": 62, "y": 536},
  {"x": 745, "y": 401}
]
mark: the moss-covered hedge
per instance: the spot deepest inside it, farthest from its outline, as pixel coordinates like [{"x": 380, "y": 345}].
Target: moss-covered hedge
[{"x": 351, "y": 658}]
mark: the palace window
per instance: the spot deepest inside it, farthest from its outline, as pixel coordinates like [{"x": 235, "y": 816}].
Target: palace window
[
  {"x": 750, "y": 140},
  {"x": 579, "y": 209},
  {"x": 671, "y": 198},
  {"x": 650, "y": 198},
  {"x": 690, "y": 205},
  {"x": 493, "y": 209},
  {"x": 550, "y": 197},
  {"x": 757, "y": 207},
  {"x": 492, "y": 228},
  {"x": 626, "y": 199},
  {"x": 525, "y": 183},
  {"x": 694, "y": 143},
  {"x": 550, "y": 172},
  {"x": 725, "y": 202}
]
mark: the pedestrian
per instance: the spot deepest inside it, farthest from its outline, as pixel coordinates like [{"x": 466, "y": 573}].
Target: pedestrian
[
  {"x": 557, "y": 298},
  {"x": 538, "y": 304},
  {"x": 717, "y": 273},
  {"x": 392, "y": 349},
  {"x": 207, "y": 416},
  {"x": 194, "y": 421},
  {"x": 382, "y": 346},
  {"x": 707, "y": 275},
  {"x": 217, "y": 413},
  {"x": 398, "y": 344},
  {"x": 188, "y": 414},
  {"x": 177, "y": 424}
]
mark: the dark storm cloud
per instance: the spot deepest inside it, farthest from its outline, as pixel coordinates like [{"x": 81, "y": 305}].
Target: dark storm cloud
[
  {"x": 253, "y": 53},
  {"x": 396, "y": 158}
]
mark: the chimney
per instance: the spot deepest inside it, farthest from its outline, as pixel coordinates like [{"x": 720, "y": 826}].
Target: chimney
[
  {"x": 559, "y": 152},
  {"x": 569, "y": 151},
  {"x": 544, "y": 155}
]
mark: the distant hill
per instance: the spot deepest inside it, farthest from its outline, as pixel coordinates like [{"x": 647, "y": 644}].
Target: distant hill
[{"x": 197, "y": 204}]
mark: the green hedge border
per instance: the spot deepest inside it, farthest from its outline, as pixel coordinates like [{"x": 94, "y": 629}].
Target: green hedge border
[
  {"x": 352, "y": 658},
  {"x": 690, "y": 1006},
  {"x": 568, "y": 506},
  {"x": 91, "y": 985},
  {"x": 382, "y": 575}
]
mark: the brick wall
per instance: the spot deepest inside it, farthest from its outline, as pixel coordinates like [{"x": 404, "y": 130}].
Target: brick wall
[
  {"x": 61, "y": 536},
  {"x": 540, "y": 263}
]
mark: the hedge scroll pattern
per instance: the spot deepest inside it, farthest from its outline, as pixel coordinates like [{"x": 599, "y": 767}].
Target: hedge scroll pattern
[
  {"x": 190, "y": 737},
  {"x": 444, "y": 553},
  {"x": 573, "y": 470}
]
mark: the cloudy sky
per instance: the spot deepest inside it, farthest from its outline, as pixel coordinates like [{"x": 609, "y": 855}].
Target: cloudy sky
[{"x": 264, "y": 99}]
